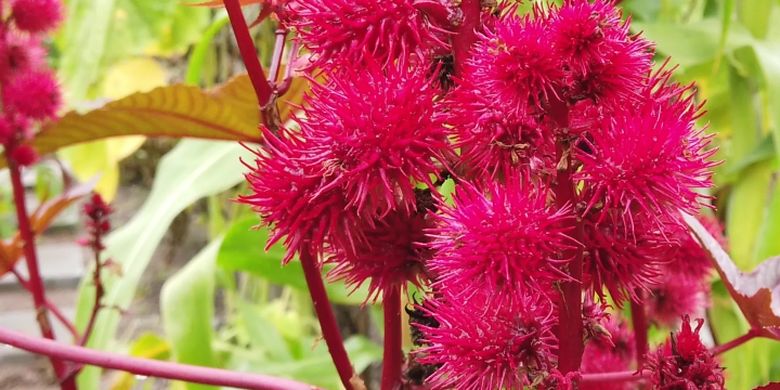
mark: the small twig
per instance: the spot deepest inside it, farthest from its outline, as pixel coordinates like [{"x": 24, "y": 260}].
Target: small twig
[
  {"x": 97, "y": 305},
  {"x": 725, "y": 347},
  {"x": 284, "y": 86},
  {"x": 147, "y": 367},
  {"x": 58, "y": 314},
  {"x": 612, "y": 377},
  {"x": 276, "y": 59},
  {"x": 330, "y": 328}
]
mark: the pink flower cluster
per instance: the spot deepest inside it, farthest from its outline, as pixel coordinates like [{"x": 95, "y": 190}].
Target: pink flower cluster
[
  {"x": 30, "y": 92},
  {"x": 567, "y": 150}
]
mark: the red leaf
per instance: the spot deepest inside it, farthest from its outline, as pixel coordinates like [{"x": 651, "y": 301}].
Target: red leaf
[
  {"x": 11, "y": 251},
  {"x": 769, "y": 386},
  {"x": 757, "y": 293}
]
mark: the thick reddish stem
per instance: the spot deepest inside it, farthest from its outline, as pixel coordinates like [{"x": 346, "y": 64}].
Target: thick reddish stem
[
  {"x": 570, "y": 332},
  {"x": 49, "y": 305},
  {"x": 147, "y": 367},
  {"x": 246, "y": 47},
  {"x": 392, "y": 361},
  {"x": 639, "y": 321},
  {"x": 35, "y": 282},
  {"x": 723, "y": 348},
  {"x": 462, "y": 41},
  {"x": 612, "y": 377},
  {"x": 330, "y": 328}
]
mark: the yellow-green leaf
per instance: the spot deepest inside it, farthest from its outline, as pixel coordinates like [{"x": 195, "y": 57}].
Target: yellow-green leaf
[{"x": 229, "y": 112}]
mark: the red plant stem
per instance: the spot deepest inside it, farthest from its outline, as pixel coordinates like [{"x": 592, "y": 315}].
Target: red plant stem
[
  {"x": 612, "y": 377},
  {"x": 99, "y": 291},
  {"x": 570, "y": 332},
  {"x": 462, "y": 41},
  {"x": 147, "y": 367},
  {"x": 276, "y": 59},
  {"x": 330, "y": 328},
  {"x": 246, "y": 47},
  {"x": 723, "y": 348},
  {"x": 50, "y": 306},
  {"x": 35, "y": 282},
  {"x": 392, "y": 360},
  {"x": 639, "y": 321}
]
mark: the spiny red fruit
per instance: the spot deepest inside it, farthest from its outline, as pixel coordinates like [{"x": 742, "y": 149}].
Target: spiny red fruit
[
  {"x": 19, "y": 54},
  {"x": 495, "y": 140},
  {"x": 36, "y": 16},
  {"x": 482, "y": 344},
  {"x": 676, "y": 294},
  {"x": 513, "y": 63},
  {"x": 24, "y": 155},
  {"x": 375, "y": 133},
  {"x": 391, "y": 254},
  {"x": 621, "y": 258},
  {"x": 286, "y": 182},
  {"x": 613, "y": 352},
  {"x": 649, "y": 158},
  {"x": 34, "y": 94},
  {"x": 603, "y": 62},
  {"x": 349, "y": 32},
  {"x": 683, "y": 362},
  {"x": 502, "y": 240}
]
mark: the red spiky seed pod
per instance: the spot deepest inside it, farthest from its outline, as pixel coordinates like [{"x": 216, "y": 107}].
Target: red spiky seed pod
[{"x": 36, "y": 16}]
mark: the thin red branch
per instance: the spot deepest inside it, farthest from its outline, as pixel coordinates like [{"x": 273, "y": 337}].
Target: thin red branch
[
  {"x": 35, "y": 282},
  {"x": 330, "y": 328},
  {"x": 612, "y": 377},
  {"x": 466, "y": 36},
  {"x": 570, "y": 330},
  {"x": 276, "y": 59},
  {"x": 97, "y": 305},
  {"x": 58, "y": 314},
  {"x": 284, "y": 86},
  {"x": 392, "y": 360},
  {"x": 639, "y": 321},
  {"x": 725, "y": 347},
  {"x": 147, "y": 367},
  {"x": 246, "y": 47}
]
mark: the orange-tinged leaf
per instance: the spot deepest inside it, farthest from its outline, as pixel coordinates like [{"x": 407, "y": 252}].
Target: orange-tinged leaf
[
  {"x": 49, "y": 210},
  {"x": 228, "y": 112},
  {"x": 11, "y": 251},
  {"x": 757, "y": 293}
]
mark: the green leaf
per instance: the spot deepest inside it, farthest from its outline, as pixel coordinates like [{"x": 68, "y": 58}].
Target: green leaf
[
  {"x": 187, "y": 307},
  {"x": 99, "y": 33},
  {"x": 192, "y": 170},
  {"x": 197, "y": 59},
  {"x": 754, "y": 15},
  {"x": 768, "y": 55},
  {"x": 242, "y": 250},
  {"x": 316, "y": 368},
  {"x": 264, "y": 335},
  {"x": 692, "y": 43},
  {"x": 745, "y": 213}
]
